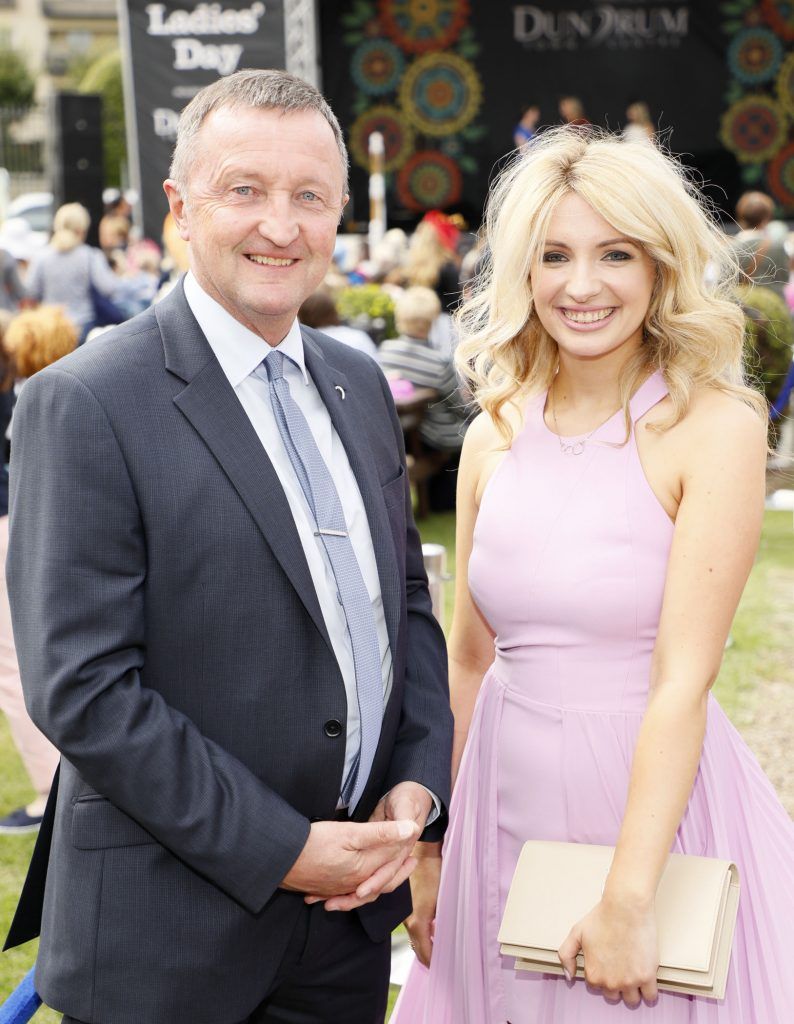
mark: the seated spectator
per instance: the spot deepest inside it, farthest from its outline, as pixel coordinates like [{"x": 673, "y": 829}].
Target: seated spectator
[
  {"x": 38, "y": 337},
  {"x": 389, "y": 254},
  {"x": 411, "y": 357},
  {"x": 12, "y": 291},
  {"x": 114, "y": 227},
  {"x": 19, "y": 240},
  {"x": 319, "y": 311},
  {"x": 7, "y": 398},
  {"x": 762, "y": 254},
  {"x": 141, "y": 280}
]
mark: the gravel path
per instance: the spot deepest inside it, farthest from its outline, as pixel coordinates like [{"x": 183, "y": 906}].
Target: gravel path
[{"x": 767, "y": 728}]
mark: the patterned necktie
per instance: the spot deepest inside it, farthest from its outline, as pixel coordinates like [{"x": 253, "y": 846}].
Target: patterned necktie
[{"x": 323, "y": 500}]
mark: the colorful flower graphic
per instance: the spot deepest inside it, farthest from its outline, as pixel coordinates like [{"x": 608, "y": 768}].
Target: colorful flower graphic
[
  {"x": 780, "y": 176},
  {"x": 785, "y": 85},
  {"x": 429, "y": 181},
  {"x": 398, "y": 137},
  {"x": 440, "y": 93},
  {"x": 754, "y": 128},
  {"x": 779, "y": 15},
  {"x": 754, "y": 55},
  {"x": 418, "y": 26},
  {"x": 376, "y": 66}
]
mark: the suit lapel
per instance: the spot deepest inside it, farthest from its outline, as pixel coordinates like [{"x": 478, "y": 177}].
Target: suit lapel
[
  {"x": 208, "y": 401},
  {"x": 345, "y": 411}
]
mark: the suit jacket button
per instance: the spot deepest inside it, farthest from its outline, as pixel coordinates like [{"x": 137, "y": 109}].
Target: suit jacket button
[{"x": 332, "y": 728}]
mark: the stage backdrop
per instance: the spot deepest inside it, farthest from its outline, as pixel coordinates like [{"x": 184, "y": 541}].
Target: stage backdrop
[
  {"x": 171, "y": 51},
  {"x": 446, "y": 81}
]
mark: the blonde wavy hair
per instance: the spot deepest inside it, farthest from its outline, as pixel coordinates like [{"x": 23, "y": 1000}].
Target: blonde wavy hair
[
  {"x": 693, "y": 330},
  {"x": 425, "y": 258}
]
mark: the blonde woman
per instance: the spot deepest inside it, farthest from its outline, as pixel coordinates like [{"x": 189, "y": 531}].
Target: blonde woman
[
  {"x": 430, "y": 260},
  {"x": 68, "y": 269},
  {"x": 640, "y": 127},
  {"x": 610, "y": 504}
]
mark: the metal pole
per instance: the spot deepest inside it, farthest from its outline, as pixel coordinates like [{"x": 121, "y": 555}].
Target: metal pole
[
  {"x": 377, "y": 191},
  {"x": 435, "y": 558},
  {"x": 130, "y": 112},
  {"x": 300, "y": 40}
]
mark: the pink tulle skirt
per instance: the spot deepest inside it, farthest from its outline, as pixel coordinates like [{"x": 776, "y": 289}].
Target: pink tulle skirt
[{"x": 537, "y": 771}]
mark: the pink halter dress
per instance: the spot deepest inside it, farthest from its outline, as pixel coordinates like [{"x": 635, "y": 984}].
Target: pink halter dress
[{"x": 568, "y": 566}]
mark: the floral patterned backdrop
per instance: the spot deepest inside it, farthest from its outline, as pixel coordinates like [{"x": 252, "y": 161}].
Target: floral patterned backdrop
[
  {"x": 412, "y": 67},
  {"x": 445, "y": 81},
  {"x": 758, "y": 125}
]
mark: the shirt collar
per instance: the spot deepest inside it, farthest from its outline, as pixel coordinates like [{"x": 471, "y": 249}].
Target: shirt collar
[{"x": 238, "y": 349}]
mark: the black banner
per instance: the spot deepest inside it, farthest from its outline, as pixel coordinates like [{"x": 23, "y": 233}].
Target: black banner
[
  {"x": 171, "y": 51},
  {"x": 447, "y": 91}
]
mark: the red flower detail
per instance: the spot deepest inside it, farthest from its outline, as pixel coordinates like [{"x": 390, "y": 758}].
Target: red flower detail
[
  {"x": 782, "y": 23},
  {"x": 780, "y": 175},
  {"x": 419, "y": 26}
]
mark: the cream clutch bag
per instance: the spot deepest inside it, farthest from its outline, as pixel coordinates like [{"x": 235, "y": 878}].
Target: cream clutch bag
[{"x": 556, "y": 884}]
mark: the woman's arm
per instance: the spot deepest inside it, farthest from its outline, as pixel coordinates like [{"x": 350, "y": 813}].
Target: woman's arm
[
  {"x": 102, "y": 277},
  {"x": 471, "y": 640},
  {"x": 470, "y": 654},
  {"x": 721, "y": 455}
]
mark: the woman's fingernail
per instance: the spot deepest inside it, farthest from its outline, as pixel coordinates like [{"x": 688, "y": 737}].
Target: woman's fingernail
[{"x": 567, "y": 974}]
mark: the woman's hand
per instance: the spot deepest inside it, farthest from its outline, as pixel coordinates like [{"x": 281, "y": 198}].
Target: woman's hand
[
  {"x": 620, "y": 950},
  {"x": 424, "y": 895}
]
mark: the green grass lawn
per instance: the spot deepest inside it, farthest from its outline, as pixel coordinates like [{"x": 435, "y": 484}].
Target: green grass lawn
[
  {"x": 760, "y": 634},
  {"x": 760, "y": 645}
]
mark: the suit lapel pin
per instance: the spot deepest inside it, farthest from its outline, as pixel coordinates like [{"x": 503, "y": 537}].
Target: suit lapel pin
[{"x": 341, "y": 390}]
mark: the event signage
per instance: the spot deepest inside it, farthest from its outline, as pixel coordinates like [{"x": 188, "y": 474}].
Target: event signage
[
  {"x": 601, "y": 25},
  {"x": 172, "y": 50},
  {"x": 446, "y": 92}
]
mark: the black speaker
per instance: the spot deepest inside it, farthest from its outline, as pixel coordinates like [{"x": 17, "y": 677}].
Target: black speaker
[{"x": 79, "y": 175}]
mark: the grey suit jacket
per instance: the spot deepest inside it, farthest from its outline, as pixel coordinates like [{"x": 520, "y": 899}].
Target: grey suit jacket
[{"x": 172, "y": 647}]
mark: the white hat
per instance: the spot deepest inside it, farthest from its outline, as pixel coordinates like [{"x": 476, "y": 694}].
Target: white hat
[{"x": 19, "y": 239}]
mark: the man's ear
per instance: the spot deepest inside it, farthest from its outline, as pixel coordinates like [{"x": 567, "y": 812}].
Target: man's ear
[
  {"x": 345, "y": 201},
  {"x": 177, "y": 206}
]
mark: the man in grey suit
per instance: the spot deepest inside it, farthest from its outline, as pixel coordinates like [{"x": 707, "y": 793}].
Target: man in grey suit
[{"x": 222, "y": 616}]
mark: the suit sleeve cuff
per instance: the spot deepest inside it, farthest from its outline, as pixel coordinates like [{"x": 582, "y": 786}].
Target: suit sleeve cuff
[{"x": 435, "y": 810}]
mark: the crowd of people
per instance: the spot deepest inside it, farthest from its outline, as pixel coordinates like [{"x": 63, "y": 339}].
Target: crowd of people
[{"x": 223, "y": 624}]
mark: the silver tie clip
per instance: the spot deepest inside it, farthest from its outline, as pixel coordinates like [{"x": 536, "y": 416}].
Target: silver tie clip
[{"x": 331, "y": 533}]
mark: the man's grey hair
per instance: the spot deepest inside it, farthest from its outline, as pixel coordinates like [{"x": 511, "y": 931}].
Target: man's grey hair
[{"x": 264, "y": 90}]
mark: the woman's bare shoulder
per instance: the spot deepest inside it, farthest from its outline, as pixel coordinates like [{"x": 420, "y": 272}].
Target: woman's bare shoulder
[
  {"x": 716, "y": 413},
  {"x": 719, "y": 425}
]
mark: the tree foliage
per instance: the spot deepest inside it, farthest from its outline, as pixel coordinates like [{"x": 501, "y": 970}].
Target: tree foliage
[
  {"x": 103, "y": 76},
  {"x": 17, "y": 86},
  {"x": 769, "y": 337}
]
